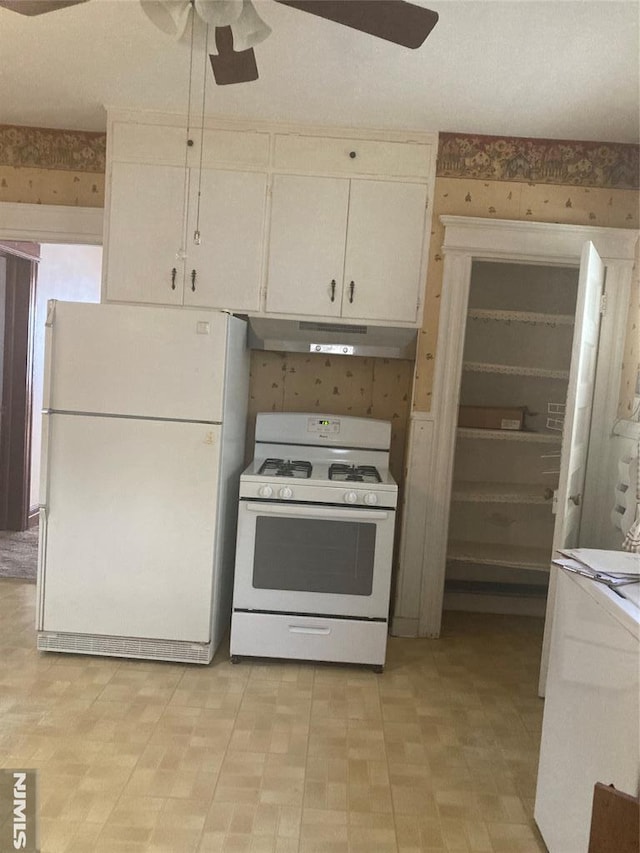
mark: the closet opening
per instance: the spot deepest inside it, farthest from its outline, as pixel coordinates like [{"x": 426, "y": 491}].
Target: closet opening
[{"x": 517, "y": 355}]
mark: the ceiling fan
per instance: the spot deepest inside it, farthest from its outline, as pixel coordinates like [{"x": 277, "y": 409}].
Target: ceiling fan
[{"x": 238, "y": 27}]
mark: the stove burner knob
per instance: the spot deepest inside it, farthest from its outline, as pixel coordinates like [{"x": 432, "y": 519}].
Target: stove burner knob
[
  {"x": 265, "y": 491},
  {"x": 371, "y": 498},
  {"x": 350, "y": 497},
  {"x": 285, "y": 492}
]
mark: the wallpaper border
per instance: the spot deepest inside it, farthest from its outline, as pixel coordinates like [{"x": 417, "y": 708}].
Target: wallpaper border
[
  {"x": 610, "y": 165},
  {"x": 50, "y": 148}
]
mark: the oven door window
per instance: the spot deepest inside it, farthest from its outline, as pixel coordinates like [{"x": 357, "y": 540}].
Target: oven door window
[{"x": 314, "y": 555}]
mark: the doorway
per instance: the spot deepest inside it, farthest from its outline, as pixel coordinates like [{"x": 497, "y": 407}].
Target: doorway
[
  {"x": 18, "y": 269},
  {"x": 53, "y": 271},
  {"x": 421, "y": 575},
  {"x": 513, "y": 390}
]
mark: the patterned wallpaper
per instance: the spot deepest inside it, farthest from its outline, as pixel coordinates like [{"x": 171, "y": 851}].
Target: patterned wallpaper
[{"x": 45, "y": 166}]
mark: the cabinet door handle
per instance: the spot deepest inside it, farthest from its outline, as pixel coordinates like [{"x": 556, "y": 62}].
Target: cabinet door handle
[
  {"x": 352, "y": 287},
  {"x": 333, "y": 290},
  {"x": 193, "y": 280},
  {"x": 174, "y": 273}
]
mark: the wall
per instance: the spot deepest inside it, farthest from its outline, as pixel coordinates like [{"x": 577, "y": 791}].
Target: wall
[
  {"x": 43, "y": 166},
  {"x": 64, "y": 272}
]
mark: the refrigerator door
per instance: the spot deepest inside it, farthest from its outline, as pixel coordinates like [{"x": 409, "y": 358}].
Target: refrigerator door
[
  {"x": 135, "y": 360},
  {"x": 130, "y": 527}
]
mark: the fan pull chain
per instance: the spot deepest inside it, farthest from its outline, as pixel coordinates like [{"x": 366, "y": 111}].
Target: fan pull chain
[
  {"x": 196, "y": 233},
  {"x": 181, "y": 254}
]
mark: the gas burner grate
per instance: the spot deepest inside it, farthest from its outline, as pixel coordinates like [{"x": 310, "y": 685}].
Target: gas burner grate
[
  {"x": 354, "y": 473},
  {"x": 286, "y": 468}
]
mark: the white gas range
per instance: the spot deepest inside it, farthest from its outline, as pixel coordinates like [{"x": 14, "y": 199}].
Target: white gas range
[{"x": 315, "y": 541}]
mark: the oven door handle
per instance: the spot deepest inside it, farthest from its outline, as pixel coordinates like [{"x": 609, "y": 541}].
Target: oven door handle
[{"x": 298, "y": 511}]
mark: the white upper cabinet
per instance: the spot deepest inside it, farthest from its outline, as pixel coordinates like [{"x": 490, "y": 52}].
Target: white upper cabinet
[
  {"x": 346, "y": 248},
  {"x": 165, "y": 186},
  {"x": 224, "y": 269},
  {"x": 385, "y": 234},
  {"x": 275, "y": 219},
  {"x": 306, "y": 247},
  {"x": 145, "y": 233}
]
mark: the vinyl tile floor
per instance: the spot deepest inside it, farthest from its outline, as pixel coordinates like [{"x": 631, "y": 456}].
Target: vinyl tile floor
[{"x": 438, "y": 753}]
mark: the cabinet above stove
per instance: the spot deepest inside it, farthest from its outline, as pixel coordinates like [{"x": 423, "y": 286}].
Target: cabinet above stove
[{"x": 330, "y": 224}]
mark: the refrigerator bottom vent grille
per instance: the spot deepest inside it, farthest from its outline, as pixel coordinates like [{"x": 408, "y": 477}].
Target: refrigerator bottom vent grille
[{"x": 129, "y": 647}]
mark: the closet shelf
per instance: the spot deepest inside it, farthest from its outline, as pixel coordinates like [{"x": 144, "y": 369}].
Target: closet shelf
[
  {"x": 490, "y": 554},
  {"x": 514, "y": 370},
  {"x": 521, "y": 317},
  {"x": 510, "y": 435},
  {"x": 511, "y": 493}
]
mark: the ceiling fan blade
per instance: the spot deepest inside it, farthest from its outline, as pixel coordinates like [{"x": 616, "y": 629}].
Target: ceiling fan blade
[
  {"x": 37, "y": 7},
  {"x": 394, "y": 20},
  {"x": 229, "y": 65}
]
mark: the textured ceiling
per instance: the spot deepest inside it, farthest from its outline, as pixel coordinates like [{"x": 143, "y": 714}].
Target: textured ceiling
[{"x": 566, "y": 69}]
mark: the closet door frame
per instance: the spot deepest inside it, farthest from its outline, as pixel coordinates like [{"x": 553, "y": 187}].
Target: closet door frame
[{"x": 472, "y": 238}]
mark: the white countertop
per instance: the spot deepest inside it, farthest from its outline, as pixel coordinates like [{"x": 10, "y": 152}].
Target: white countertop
[{"x": 623, "y": 603}]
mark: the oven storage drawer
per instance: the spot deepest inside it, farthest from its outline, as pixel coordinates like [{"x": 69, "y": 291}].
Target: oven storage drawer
[{"x": 279, "y": 635}]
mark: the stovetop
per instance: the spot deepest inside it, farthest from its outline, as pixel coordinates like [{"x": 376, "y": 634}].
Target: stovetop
[
  {"x": 300, "y": 469},
  {"x": 320, "y": 459},
  {"x": 340, "y": 472},
  {"x": 303, "y": 469}
]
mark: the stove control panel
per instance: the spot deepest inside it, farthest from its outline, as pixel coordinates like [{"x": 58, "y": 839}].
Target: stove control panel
[
  {"x": 368, "y": 498},
  {"x": 323, "y": 426},
  {"x": 327, "y": 493}
]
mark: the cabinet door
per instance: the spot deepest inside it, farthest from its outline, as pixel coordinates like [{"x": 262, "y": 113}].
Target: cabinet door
[
  {"x": 306, "y": 247},
  {"x": 228, "y": 261},
  {"x": 386, "y": 228},
  {"x": 145, "y": 233}
]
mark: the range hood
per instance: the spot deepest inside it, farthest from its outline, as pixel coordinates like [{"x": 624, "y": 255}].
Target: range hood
[{"x": 331, "y": 338}]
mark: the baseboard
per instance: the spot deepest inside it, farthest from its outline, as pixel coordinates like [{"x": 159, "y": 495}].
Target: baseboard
[
  {"x": 502, "y": 604},
  {"x": 34, "y": 516}
]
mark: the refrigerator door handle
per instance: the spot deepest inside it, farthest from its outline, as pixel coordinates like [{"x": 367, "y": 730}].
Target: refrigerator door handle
[
  {"x": 42, "y": 555},
  {"x": 48, "y": 346}
]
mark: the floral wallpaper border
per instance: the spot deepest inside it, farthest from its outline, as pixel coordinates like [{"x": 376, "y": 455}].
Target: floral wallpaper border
[
  {"x": 48, "y": 148},
  {"x": 610, "y": 165}
]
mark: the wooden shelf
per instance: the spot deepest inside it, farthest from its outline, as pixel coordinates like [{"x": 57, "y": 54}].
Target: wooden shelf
[
  {"x": 510, "y": 435},
  {"x": 511, "y": 493},
  {"x": 530, "y": 317},
  {"x": 514, "y": 370},
  {"x": 490, "y": 554}
]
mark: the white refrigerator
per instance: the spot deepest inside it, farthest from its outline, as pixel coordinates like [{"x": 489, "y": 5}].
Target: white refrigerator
[{"x": 142, "y": 448}]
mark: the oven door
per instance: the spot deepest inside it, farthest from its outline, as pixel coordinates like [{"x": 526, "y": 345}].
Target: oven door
[{"x": 316, "y": 559}]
